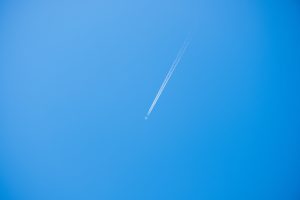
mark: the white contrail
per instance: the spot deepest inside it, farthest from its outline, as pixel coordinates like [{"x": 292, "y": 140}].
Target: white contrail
[{"x": 169, "y": 74}]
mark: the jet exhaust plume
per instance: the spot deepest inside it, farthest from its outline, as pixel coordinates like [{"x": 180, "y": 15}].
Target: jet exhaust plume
[{"x": 169, "y": 75}]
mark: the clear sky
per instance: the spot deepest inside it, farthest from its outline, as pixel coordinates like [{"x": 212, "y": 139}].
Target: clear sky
[{"x": 78, "y": 77}]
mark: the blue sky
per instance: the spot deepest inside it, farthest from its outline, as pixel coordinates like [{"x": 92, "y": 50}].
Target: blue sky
[{"x": 78, "y": 77}]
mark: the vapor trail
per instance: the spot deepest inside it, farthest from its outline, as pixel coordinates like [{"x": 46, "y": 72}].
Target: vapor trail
[{"x": 168, "y": 76}]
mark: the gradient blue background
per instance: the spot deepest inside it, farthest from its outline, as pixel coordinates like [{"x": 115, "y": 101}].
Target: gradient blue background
[{"x": 77, "y": 78}]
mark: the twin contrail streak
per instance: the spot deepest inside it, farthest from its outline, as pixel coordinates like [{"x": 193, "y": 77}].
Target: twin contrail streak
[{"x": 169, "y": 74}]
